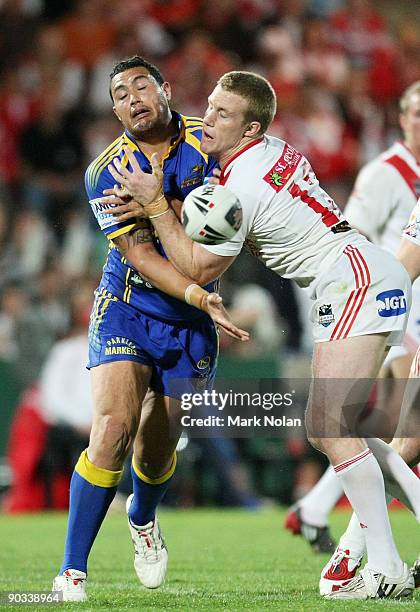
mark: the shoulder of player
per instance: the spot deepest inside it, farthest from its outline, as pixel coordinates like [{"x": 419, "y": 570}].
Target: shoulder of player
[
  {"x": 271, "y": 157},
  {"x": 378, "y": 168},
  {"x": 100, "y": 164},
  {"x": 191, "y": 121},
  {"x": 193, "y": 127}
]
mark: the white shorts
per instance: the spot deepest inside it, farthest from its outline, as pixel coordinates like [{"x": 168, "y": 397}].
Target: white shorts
[
  {"x": 367, "y": 291},
  {"x": 411, "y": 340}
]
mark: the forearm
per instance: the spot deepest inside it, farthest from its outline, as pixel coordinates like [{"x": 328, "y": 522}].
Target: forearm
[
  {"x": 178, "y": 246},
  {"x": 138, "y": 248},
  {"x": 161, "y": 273}
]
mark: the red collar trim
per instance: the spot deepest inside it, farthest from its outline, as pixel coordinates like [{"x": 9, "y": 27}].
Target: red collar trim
[{"x": 238, "y": 153}]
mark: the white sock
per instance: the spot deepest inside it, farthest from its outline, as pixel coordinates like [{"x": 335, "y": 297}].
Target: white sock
[
  {"x": 400, "y": 480},
  {"x": 316, "y": 505},
  {"x": 363, "y": 484},
  {"x": 353, "y": 539}
]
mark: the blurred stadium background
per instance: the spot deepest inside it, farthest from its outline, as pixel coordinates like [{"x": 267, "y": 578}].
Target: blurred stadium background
[{"x": 338, "y": 67}]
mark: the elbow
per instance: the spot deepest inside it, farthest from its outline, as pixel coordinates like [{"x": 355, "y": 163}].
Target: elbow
[{"x": 203, "y": 277}]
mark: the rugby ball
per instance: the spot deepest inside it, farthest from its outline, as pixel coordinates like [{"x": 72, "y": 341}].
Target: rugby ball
[{"x": 211, "y": 214}]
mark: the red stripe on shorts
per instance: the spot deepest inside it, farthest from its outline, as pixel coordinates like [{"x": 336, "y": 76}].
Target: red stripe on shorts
[{"x": 356, "y": 297}]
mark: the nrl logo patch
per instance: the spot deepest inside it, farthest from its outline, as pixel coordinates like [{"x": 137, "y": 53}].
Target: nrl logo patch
[
  {"x": 203, "y": 363},
  {"x": 325, "y": 315}
]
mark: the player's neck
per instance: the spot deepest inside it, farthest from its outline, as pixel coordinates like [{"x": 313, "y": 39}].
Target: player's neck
[
  {"x": 243, "y": 144},
  {"x": 414, "y": 150},
  {"x": 158, "y": 140}
]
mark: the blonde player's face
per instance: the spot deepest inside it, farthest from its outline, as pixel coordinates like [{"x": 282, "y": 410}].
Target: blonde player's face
[
  {"x": 139, "y": 102},
  {"x": 410, "y": 122},
  {"x": 224, "y": 123}
]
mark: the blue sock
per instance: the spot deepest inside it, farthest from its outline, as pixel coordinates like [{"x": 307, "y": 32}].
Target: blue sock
[
  {"x": 92, "y": 489},
  {"x": 148, "y": 492}
]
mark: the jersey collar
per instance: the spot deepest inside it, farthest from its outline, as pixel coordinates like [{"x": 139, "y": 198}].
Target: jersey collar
[{"x": 224, "y": 176}]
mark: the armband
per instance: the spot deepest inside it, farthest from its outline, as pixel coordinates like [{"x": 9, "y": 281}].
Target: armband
[
  {"x": 194, "y": 295},
  {"x": 157, "y": 207}
]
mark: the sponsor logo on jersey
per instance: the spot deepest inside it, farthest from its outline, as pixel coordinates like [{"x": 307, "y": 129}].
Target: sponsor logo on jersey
[
  {"x": 190, "y": 181},
  {"x": 104, "y": 219},
  {"x": 234, "y": 217},
  {"x": 136, "y": 280},
  {"x": 343, "y": 226},
  {"x": 120, "y": 346},
  {"x": 391, "y": 303},
  {"x": 325, "y": 315},
  {"x": 203, "y": 363},
  {"x": 195, "y": 177},
  {"x": 283, "y": 169}
]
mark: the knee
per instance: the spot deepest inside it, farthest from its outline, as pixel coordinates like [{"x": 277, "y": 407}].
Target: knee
[
  {"x": 313, "y": 420},
  {"x": 111, "y": 439}
]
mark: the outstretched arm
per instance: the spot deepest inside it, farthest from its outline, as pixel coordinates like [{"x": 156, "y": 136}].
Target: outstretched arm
[{"x": 138, "y": 248}]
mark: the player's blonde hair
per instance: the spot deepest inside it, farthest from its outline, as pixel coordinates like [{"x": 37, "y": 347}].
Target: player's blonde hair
[
  {"x": 258, "y": 93},
  {"x": 412, "y": 90}
]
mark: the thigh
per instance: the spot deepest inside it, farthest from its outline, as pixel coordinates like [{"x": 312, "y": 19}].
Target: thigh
[
  {"x": 355, "y": 357},
  {"x": 158, "y": 434},
  {"x": 343, "y": 375},
  {"x": 397, "y": 366},
  {"x": 119, "y": 388}
]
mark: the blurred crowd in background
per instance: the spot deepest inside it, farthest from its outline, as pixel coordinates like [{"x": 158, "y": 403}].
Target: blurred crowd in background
[{"x": 338, "y": 68}]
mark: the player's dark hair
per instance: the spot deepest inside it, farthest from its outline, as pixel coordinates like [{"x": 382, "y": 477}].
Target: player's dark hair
[
  {"x": 136, "y": 62},
  {"x": 257, "y": 91}
]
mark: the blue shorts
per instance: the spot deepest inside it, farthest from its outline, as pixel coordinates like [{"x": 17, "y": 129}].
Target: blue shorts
[{"x": 182, "y": 350}]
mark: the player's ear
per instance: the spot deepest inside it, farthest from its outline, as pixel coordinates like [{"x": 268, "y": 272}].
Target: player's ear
[
  {"x": 252, "y": 129},
  {"x": 116, "y": 114},
  {"x": 402, "y": 119},
  {"x": 167, "y": 90}
]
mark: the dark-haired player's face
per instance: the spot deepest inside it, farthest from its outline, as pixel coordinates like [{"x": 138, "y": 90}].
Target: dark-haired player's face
[{"x": 139, "y": 102}]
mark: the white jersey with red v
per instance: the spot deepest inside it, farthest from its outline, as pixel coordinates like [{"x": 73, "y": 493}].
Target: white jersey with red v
[{"x": 289, "y": 221}]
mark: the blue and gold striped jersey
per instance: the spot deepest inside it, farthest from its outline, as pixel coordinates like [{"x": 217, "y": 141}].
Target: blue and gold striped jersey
[{"x": 185, "y": 167}]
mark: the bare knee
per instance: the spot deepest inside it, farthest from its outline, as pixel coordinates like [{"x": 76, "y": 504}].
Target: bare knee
[{"x": 110, "y": 441}]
